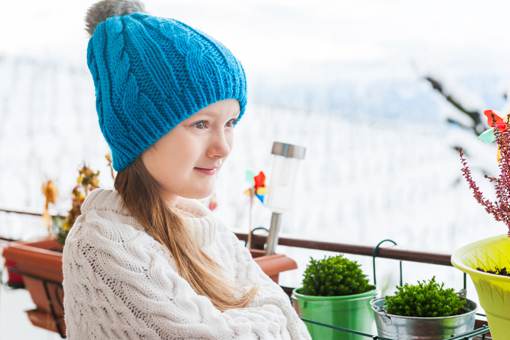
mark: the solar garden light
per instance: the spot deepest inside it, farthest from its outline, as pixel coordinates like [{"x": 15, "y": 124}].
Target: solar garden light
[{"x": 280, "y": 193}]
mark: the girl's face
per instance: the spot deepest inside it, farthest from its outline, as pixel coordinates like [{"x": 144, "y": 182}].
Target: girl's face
[{"x": 186, "y": 160}]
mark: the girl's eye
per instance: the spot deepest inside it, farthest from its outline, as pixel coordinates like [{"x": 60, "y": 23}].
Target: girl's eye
[
  {"x": 232, "y": 122},
  {"x": 202, "y": 124}
]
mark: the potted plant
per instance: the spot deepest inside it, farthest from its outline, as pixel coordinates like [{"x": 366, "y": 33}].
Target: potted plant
[
  {"x": 487, "y": 261},
  {"x": 336, "y": 292},
  {"x": 49, "y": 191},
  {"x": 40, "y": 262},
  {"x": 426, "y": 310}
]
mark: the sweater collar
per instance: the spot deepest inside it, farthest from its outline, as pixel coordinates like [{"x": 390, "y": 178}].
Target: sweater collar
[{"x": 199, "y": 219}]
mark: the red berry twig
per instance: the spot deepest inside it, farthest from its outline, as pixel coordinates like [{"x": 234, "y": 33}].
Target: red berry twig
[{"x": 500, "y": 208}]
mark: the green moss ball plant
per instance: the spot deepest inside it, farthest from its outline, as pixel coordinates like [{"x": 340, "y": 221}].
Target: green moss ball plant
[
  {"x": 334, "y": 276},
  {"x": 425, "y": 299}
]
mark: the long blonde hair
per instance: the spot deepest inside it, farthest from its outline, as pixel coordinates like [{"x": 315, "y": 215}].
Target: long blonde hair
[{"x": 141, "y": 195}]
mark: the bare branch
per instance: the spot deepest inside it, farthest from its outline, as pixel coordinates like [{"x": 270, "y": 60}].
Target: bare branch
[{"x": 474, "y": 115}]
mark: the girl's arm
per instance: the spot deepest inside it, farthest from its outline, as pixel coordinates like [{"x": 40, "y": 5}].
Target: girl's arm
[
  {"x": 249, "y": 272},
  {"x": 122, "y": 286}
]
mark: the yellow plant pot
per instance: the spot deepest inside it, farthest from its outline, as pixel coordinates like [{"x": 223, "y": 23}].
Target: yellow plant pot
[{"x": 493, "y": 290}]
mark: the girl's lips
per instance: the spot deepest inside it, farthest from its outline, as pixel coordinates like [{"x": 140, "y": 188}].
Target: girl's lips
[{"x": 206, "y": 171}]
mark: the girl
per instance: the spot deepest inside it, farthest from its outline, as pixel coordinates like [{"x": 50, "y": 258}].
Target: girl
[{"x": 147, "y": 260}]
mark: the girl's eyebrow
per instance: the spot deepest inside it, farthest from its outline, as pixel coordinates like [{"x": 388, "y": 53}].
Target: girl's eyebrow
[{"x": 210, "y": 115}]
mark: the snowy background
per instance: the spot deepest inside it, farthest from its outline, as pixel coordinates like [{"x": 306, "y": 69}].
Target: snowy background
[{"x": 344, "y": 79}]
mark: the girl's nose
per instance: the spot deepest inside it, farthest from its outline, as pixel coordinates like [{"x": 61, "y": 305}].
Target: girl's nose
[{"x": 220, "y": 145}]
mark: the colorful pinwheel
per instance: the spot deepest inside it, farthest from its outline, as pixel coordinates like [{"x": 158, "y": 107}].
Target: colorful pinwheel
[
  {"x": 495, "y": 122},
  {"x": 257, "y": 189}
]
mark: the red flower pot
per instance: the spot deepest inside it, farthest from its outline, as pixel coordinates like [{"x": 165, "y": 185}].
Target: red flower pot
[{"x": 40, "y": 265}]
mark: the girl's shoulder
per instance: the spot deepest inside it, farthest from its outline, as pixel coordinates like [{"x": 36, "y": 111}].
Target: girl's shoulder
[
  {"x": 104, "y": 220},
  {"x": 106, "y": 200}
]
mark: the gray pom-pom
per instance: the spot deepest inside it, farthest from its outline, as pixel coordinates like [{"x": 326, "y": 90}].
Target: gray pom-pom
[{"x": 104, "y": 9}]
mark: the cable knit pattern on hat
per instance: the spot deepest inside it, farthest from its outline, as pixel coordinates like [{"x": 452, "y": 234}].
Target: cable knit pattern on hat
[
  {"x": 120, "y": 283},
  {"x": 150, "y": 74}
]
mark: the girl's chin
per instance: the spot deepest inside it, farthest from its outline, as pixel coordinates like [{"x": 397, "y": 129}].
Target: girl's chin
[{"x": 201, "y": 194}]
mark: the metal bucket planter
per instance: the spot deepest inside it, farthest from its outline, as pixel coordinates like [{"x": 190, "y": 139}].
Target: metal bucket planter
[
  {"x": 422, "y": 328},
  {"x": 493, "y": 290},
  {"x": 349, "y": 311}
]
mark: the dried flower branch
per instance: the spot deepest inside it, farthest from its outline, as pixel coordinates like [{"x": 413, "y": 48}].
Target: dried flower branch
[
  {"x": 50, "y": 193},
  {"x": 108, "y": 158},
  {"x": 87, "y": 181},
  {"x": 500, "y": 208}
]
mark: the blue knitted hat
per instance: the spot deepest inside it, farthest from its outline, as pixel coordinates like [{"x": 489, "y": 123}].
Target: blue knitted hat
[{"x": 152, "y": 73}]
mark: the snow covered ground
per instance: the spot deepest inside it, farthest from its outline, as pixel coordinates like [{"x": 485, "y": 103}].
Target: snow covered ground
[{"x": 343, "y": 80}]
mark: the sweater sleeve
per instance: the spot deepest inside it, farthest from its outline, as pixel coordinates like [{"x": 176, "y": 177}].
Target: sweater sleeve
[
  {"x": 119, "y": 287},
  {"x": 270, "y": 293}
]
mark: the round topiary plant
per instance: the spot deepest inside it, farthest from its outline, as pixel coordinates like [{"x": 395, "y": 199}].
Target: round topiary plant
[
  {"x": 425, "y": 299},
  {"x": 334, "y": 276}
]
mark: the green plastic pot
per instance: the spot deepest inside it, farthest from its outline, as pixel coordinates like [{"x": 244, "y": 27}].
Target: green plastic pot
[{"x": 349, "y": 311}]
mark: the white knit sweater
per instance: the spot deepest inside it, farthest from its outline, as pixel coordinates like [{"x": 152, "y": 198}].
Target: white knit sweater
[{"x": 119, "y": 283}]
